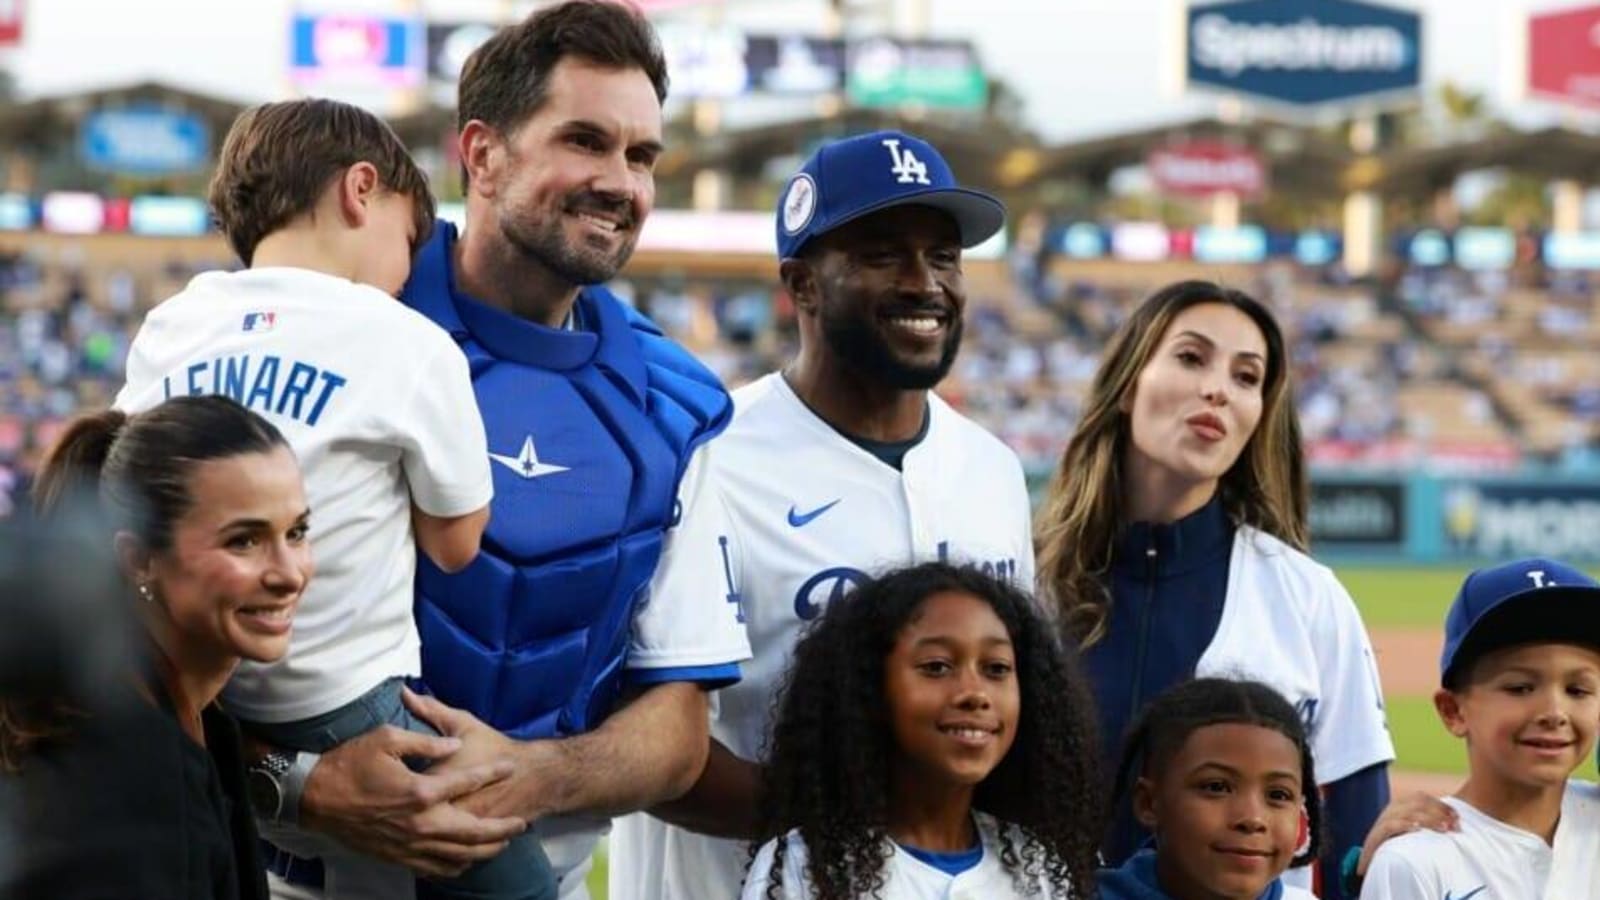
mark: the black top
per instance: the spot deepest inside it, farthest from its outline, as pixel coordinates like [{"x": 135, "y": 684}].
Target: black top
[{"x": 130, "y": 807}]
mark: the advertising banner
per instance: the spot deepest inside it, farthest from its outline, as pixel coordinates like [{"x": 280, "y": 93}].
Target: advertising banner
[
  {"x": 144, "y": 140},
  {"x": 11, "y": 18},
  {"x": 356, "y": 50},
  {"x": 449, "y": 45},
  {"x": 885, "y": 71},
  {"x": 1503, "y": 520},
  {"x": 1203, "y": 168},
  {"x": 1304, "y": 52},
  {"x": 1369, "y": 514},
  {"x": 1564, "y": 55},
  {"x": 791, "y": 64}
]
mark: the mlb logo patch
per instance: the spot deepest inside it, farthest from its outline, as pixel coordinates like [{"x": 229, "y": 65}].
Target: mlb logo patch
[{"x": 259, "y": 321}]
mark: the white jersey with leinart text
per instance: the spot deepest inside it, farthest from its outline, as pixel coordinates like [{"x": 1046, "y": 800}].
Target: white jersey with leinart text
[
  {"x": 377, "y": 403},
  {"x": 1288, "y": 623},
  {"x": 811, "y": 514},
  {"x": 905, "y": 876},
  {"x": 1490, "y": 860}
]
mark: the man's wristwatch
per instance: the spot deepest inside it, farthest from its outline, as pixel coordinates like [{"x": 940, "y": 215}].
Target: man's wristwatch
[{"x": 275, "y": 783}]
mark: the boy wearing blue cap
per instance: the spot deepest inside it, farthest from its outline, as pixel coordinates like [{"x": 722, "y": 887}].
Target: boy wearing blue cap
[{"x": 1521, "y": 685}]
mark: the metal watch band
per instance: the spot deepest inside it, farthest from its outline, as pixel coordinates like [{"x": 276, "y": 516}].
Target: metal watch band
[{"x": 293, "y": 784}]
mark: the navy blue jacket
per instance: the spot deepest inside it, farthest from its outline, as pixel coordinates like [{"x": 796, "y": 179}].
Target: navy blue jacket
[{"x": 1168, "y": 586}]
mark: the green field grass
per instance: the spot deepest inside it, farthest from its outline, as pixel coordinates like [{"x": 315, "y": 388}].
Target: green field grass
[
  {"x": 1404, "y": 596},
  {"x": 1400, "y": 597},
  {"x": 1421, "y": 743}
]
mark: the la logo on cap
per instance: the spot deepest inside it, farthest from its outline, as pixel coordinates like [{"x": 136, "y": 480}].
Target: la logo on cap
[
  {"x": 907, "y": 169},
  {"x": 799, "y": 204},
  {"x": 1538, "y": 578}
]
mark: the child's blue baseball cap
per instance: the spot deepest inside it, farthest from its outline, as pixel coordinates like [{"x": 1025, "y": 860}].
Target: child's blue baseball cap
[
  {"x": 1522, "y": 602},
  {"x": 850, "y": 178}
]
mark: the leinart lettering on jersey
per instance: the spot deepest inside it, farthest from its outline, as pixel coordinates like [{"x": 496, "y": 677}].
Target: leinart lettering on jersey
[{"x": 267, "y": 384}]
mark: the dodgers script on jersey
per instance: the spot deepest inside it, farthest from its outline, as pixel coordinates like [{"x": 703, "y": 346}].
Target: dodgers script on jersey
[
  {"x": 372, "y": 397},
  {"x": 810, "y": 515},
  {"x": 1491, "y": 860},
  {"x": 1288, "y": 623}
]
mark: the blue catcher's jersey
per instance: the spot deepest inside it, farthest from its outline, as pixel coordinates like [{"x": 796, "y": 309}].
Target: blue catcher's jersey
[{"x": 589, "y": 431}]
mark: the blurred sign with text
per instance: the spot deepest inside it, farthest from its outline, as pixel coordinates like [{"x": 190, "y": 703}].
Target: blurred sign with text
[
  {"x": 351, "y": 50},
  {"x": 12, "y": 15},
  {"x": 1564, "y": 55},
  {"x": 1204, "y": 168},
  {"x": 144, "y": 140},
  {"x": 1304, "y": 52},
  {"x": 886, "y": 71}
]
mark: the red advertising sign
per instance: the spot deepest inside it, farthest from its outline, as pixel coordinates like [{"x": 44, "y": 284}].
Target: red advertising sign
[
  {"x": 11, "y": 16},
  {"x": 1203, "y": 168},
  {"x": 1564, "y": 55}
]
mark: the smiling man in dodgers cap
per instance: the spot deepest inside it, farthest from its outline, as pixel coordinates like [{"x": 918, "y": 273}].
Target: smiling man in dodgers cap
[{"x": 840, "y": 465}]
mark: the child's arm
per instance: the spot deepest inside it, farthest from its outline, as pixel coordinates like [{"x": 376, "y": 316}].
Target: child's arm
[
  {"x": 445, "y": 457},
  {"x": 451, "y": 542}
]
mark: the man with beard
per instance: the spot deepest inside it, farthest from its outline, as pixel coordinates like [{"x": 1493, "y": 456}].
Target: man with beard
[
  {"x": 597, "y": 699},
  {"x": 843, "y": 464}
]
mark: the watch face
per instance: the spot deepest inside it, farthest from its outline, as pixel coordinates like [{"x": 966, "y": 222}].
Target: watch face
[{"x": 265, "y": 795}]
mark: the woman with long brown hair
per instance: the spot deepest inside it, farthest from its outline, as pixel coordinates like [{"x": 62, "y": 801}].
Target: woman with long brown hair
[
  {"x": 145, "y": 798},
  {"x": 1173, "y": 544}
]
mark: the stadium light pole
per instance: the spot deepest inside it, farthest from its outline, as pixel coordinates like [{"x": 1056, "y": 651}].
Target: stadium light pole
[{"x": 1363, "y": 210}]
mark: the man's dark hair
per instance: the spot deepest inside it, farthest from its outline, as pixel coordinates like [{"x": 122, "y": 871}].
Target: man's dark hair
[{"x": 506, "y": 80}]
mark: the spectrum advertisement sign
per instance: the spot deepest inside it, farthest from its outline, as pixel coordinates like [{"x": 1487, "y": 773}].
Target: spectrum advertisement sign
[
  {"x": 1564, "y": 55},
  {"x": 1304, "y": 52}
]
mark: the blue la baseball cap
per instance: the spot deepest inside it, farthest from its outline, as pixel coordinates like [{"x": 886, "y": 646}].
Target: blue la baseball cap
[
  {"x": 1525, "y": 601},
  {"x": 847, "y": 179}
]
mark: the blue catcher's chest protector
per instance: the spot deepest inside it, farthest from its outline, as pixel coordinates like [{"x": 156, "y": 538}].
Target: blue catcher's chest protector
[{"x": 589, "y": 433}]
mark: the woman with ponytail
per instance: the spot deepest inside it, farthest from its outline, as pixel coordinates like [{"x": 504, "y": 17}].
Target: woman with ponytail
[{"x": 145, "y": 797}]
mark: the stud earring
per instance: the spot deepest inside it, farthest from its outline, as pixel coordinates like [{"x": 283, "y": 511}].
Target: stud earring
[{"x": 148, "y": 595}]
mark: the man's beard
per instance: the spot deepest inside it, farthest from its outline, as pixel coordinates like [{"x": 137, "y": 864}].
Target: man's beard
[
  {"x": 853, "y": 338},
  {"x": 545, "y": 242}
]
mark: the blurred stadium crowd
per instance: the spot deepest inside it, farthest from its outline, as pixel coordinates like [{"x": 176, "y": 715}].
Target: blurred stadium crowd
[{"x": 1462, "y": 369}]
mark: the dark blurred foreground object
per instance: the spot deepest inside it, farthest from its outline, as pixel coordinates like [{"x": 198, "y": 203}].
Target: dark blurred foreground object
[
  {"x": 64, "y": 628},
  {"x": 119, "y": 802}
]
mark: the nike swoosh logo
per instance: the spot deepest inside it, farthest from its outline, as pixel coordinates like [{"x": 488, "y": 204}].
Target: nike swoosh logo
[
  {"x": 797, "y": 519},
  {"x": 1469, "y": 894}
]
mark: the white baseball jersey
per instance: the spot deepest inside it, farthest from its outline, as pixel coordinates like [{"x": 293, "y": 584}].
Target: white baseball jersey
[
  {"x": 810, "y": 514},
  {"x": 1288, "y": 623},
  {"x": 377, "y": 404},
  {"x": 1491, "y": 860},
  {"x": 905, "y": 876},
  {"x": 687, "y": 629}
]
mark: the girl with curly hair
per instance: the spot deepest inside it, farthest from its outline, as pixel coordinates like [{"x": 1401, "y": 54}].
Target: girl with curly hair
[
  {"x": 1220, "y": 772},
  {"x": 933, "y": 739}
]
